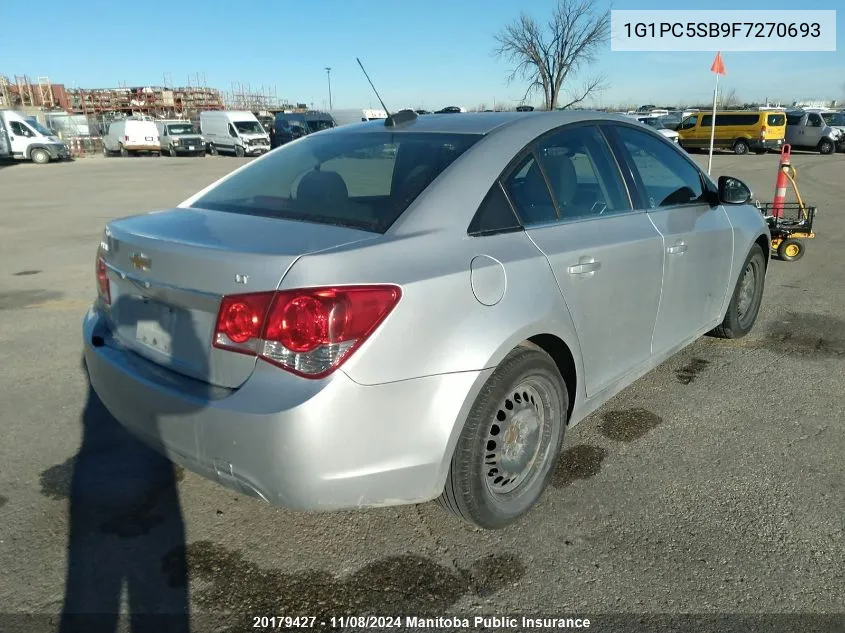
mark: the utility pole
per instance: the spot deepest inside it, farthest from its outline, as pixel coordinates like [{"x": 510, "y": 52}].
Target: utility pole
[{"x": 329, "y": 77}]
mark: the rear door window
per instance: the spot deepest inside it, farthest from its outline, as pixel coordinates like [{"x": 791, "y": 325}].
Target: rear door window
[
  {"x": 583, "y": 175},
  {"x": 526, "y": 187},
  {"x": 776, "y": 120},
  {"x": 363, "y": 180},
  {"x": 668, "y": 179}
]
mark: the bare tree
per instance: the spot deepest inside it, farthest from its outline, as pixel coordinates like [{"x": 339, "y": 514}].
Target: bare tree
[
  {"x": 728, "y": 99},
  {"x": 546, "y": 56}
]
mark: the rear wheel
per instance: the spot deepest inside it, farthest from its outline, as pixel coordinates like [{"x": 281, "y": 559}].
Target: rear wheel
[
  {"x": 791, "y": 250},
  {"x": 747, "y": 297},
  {"x": 510, "y": 443},
  {"x": 740, "y": 146},
  {"x": 826, "y": 146},
  {"x": 40, "y": 156}
]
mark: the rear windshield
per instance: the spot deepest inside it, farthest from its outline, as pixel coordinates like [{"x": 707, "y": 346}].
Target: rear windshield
[
  {"x": 361, "y": 180},
  {"x": 776, "y": 120}
]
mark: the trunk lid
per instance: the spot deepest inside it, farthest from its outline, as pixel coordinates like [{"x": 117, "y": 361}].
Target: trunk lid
[{"x": 168, "y": 271}]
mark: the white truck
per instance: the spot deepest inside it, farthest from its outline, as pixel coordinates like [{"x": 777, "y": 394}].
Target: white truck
[
  {"x": 356, "y": 115},
  {"x": 234, "y": 132},
  {"x": 23, "y": 137},
  {"x": 178, "y": 137}
]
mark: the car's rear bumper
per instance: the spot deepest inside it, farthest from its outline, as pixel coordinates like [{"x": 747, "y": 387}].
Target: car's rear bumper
[{"x": 304, "y": 444}]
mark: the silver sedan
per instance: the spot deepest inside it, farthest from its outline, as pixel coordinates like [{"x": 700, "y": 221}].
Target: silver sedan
[{"x": 410, "y": 309}]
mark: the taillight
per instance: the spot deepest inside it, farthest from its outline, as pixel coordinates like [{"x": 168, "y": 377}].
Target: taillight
[
  {"x": 763, "y": 131},
  {"x": 126, "y": 138},
  {"x": 309, "y": 332},
  {"x": 103, "y": 287}
]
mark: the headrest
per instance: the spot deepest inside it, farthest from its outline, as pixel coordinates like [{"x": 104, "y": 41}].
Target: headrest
[{"x": 321, "y": 187}]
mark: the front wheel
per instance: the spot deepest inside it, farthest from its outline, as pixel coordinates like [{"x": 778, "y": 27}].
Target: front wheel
[
  {"x": 747, "y": 297},
  {"x": 40, "y": 156},
  {"x": 239, "y": 151},
  {"x": 123, "y": 151},
  {"x": 510, "y": 443},
  {"x": 826, "y": 146},
  {"x": 740, "y": 147}
]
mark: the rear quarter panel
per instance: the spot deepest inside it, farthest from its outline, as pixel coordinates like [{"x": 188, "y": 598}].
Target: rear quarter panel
[{"x": 439, "y": 325}]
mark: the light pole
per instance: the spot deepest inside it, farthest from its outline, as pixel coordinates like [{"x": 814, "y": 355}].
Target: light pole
[{"x": 329, "y": 77}]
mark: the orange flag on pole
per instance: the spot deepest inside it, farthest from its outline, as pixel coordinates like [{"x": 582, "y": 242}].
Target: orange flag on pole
[{"x": 718, "y": 66}]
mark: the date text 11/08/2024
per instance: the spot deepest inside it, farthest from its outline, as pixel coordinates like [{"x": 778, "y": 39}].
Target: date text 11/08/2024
[{"x": 270, "y": 623}]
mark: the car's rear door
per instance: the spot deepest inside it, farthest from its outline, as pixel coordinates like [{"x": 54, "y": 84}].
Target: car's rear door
[
  {"x": 606, "y": 258},
  {"x": 697, "y": 234}
]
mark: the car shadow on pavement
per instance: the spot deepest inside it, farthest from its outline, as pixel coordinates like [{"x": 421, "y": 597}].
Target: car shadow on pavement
[{"x": 125, "y": 513}]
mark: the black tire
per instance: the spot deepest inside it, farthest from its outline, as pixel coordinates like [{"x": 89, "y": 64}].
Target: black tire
[
  {"x": 39, "y": 156},
  {"x": 239, "y": 151},
  {"x": 478, "y": 488},
  {"x": 791, "y": 250},
  {"x": 740, "y": 319},
  {"x": 212, "y": 149},
  {"x": 826, "y": 146},
  {"x": 123, "y": 151},
  {"x": 740, "y": 146},
  {"x": 172, "y": 152}
]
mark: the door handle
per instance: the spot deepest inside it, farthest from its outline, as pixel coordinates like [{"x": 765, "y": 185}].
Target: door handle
[
  {"x": 678, "y": 249},
  {"x": 585, "y": 266}
]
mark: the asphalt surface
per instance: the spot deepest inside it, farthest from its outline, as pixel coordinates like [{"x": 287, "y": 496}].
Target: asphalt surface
[{"x": 714, "y": 485}]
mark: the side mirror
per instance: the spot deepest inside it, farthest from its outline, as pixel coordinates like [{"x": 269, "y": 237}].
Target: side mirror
[{"x": 733, "y": 191}]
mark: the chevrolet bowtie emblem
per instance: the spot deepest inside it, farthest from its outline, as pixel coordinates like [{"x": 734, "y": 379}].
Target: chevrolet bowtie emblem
[{"x": 141, "y": 261}]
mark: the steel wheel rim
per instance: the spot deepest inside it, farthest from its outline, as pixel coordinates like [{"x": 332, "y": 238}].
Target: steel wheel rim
[
  {"x": 515, "y": 436},
  {"x": 746, "y": 290}
]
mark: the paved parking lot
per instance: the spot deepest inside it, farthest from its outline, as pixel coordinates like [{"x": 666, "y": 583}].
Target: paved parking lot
[{"x": 714, "y": 484}]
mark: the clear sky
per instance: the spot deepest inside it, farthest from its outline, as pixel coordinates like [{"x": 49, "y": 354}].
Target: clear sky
[{"x": 419, "y": 54}]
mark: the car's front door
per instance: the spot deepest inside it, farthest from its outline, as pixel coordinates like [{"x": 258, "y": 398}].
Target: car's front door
[
  {"x": 697, "y": 234},
  {"x": 606, "y": 258},
  {"x": 813, "y": 130}
]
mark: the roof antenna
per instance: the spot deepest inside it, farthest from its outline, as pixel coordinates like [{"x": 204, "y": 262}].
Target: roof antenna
[{"x": 403, "y": 116}]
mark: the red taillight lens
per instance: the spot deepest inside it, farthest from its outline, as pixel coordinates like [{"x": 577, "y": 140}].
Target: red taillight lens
[
  {"x": 240, "y": 320},
  {"x": 309, "y": 332},
  {"x": 103, "y": 287},
  {"x": 763, "y": 131},
  {"x": 125, "y": 138}
]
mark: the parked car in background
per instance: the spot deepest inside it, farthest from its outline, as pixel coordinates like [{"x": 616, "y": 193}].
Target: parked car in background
[
  {"x": 809, "y": 130},
  {"x": 131, "y": 136},
  {"x": 327, "y": 328},
  {"x": 357, "y": 115},
  {"x": 24, "y": 138},
  {"x": 319, "y": 121},
  {"x": 656, "y": 123},
  {"x": 233, "y": 132},
  {"x": 287, "y": 127},
  {"x": 672, "y": 120},
  {"x": 739, "y": 130},
  {"x": 451, "y": 110},
  {"x": 178, "y": 137}
]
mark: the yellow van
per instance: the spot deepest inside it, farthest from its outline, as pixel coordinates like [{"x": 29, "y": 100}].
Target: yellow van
[{"x": 738, "y": 130}]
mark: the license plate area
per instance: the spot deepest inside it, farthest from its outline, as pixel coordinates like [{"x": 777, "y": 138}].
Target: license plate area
[{"x": 154, "y": 326}]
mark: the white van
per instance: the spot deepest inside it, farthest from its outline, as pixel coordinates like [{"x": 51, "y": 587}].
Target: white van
[
  {"x": 24, "y": 138},
  {"x": 238, "y": 133},
  {"x": 131, "y": 136},
  {"x": 178, "y": 137},
  {"x": 356, "y": 115}
]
